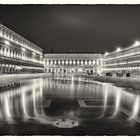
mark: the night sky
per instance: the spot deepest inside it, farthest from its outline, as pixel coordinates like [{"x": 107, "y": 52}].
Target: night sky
[{"x": 74, "y": 28}]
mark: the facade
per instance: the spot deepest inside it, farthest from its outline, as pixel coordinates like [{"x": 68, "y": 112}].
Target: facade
[
  {"x": 17, "y": 54},
  {"x": 76, "y": 63},
  {"x": 123, "y": 62}
]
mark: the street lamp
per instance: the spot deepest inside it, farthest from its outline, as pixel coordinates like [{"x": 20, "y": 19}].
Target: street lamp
[
  {"x": 118, "y": 49},
  {"x": 136, "y": 43},
  {"x": 23, "y": 49},
  {"x": 106, "y": 53},
  {"x": 6, "y": 42},
  {"x": 33, "y": 53}
]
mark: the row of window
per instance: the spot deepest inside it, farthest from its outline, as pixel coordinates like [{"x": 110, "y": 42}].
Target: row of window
[
  {"x": 7, "y": 68},
  {"x": 69, "y": 70},
  {"x": 73, "y": 62},
  {"x": 18, "y": 55},
  {"x": 125, "y": 60},
  {"x": 123, "y": 53},
  {"x": 13, "y": 37}
]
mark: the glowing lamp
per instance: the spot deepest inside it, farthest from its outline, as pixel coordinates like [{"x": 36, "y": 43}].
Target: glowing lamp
[
  {"x": 106, "y": 53},
  {"x": 136, "y": 43},
  {"x": 33, "y": 53},
  {"x": 118, "y": 50},
  {"x": 23, "y": 49},
  {"x": 6, "y": 42}
]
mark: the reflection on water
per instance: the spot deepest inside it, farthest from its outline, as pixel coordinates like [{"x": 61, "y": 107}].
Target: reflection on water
[
  {"x": 22, "y": 103},
  {"x": 44, "y": 101}
]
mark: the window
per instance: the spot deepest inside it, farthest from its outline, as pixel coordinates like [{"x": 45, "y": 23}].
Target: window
[
  {"x": 79, "y": 62},
  {"x": 99, "y": 62},
  {"x": 13, "y": 37},
  {"x": 72, "y": 62},
  {"x": 87, "y": 62},
  {"x": 68, "y": 62},
  {"x": 10, "y": 35},
  {"x": 64, "y": 62},
  {"x": 46, "y": 62},
  {"x": 49, "y": 62},
  {"x": 95, "y": 62},
  {"x": 56, "y": 62},
  {"x": 83, "y": 62},
  {"x": 3, "y": 32},
  {"x": 53, "y": 62},
  {"x": 18, "y": 40},
  {"x": 6, "y": 33},
  {"x": 75, "y": 62},
  {"x": 91, "y": 62},
  {"x": 60, "y": 62}
]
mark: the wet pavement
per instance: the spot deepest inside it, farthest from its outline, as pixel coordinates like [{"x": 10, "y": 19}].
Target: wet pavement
[{"x": 69, "y": 106}]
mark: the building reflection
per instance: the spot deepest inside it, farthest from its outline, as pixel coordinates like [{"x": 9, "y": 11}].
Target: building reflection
[
  {"x": 117, "y": 101},
  {"x": 135, "y": 108},
  {"x": 27, "y": 103},
  {"x": 23, "y": 103},
  {"x": 124, "y": 101}
]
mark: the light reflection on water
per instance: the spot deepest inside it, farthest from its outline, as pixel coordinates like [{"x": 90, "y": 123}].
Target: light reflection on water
[{"x": 27, "y": 103}]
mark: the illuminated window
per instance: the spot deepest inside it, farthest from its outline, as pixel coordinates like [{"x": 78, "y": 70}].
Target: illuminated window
[
  {"x": 70, "y": 62},
  {"x": 77, "y": 62},
  {"x": 66, "y": 62},
  {"x": 62, "y": 62},
  {"x": 85, "y": 62},
  {"x": 89, "y": 62},
  {"x": 73, "y": 62}
]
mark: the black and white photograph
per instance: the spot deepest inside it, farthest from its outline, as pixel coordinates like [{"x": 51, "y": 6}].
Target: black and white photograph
[{"x": 69, "y": 70}]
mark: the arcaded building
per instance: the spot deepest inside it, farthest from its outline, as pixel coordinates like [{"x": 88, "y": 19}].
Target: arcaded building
[
  {"x": 123, "y": 62},
  {"x": 80, "y": 63},
  {"x": 17, "y": 54}
]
